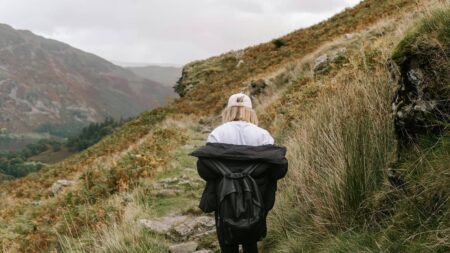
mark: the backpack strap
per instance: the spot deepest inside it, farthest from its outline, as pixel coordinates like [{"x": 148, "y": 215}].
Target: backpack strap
[
  {"x": 249, "y": 170},
  {"x": 234, "y": 175},
  {"x": 222, "y": 168}
]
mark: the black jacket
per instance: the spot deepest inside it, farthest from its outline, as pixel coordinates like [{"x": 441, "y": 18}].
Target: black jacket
[{"x": 273, "y": 166}]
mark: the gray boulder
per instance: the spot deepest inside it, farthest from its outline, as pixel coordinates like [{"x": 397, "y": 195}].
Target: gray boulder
[
  {"x": 164, "y": 224},
  {"x": 193, "y": 226},
  {"x": 322, "y": 64}
]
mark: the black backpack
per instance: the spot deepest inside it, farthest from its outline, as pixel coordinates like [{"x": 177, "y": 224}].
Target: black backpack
[{"x": 240, "y": 214}]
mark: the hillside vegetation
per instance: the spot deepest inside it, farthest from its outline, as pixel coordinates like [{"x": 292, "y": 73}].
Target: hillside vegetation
[
  {"x": 360, "y": 101},
  {"x": 34, "y": 156},
  {"x": 204, "y": 82},
  {"x": 359, "y": 182}
]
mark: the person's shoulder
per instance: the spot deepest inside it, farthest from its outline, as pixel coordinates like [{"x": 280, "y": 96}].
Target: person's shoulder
[
  {"x": 266, "y": 137},
  {"x": 217, "y": 133},
  {"x": 221, "y": 127},
  {"x": 260, "y": 129}
]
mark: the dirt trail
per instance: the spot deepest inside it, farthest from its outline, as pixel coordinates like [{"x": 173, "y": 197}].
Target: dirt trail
[{"x": 175, "y": 193}]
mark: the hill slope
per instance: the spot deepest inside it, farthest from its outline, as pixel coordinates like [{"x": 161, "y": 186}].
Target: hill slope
[
  {"x": 359, "y": 180},
  {"x": 43, "y": 80},
  {"x": 204, "y": 82}
]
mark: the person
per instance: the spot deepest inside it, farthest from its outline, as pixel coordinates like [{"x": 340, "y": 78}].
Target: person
[{"x": 236, "y": 154}]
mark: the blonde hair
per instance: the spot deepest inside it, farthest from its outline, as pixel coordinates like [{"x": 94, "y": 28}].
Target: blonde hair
[{"x": 235, "y": 113}]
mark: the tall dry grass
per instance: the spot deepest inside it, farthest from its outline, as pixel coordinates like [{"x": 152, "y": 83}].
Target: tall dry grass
[
  {"x": 338, "y": 154},
  {"x": 125, "y": 235}
]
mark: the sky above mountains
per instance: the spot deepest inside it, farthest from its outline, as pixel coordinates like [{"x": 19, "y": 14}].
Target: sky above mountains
[{"x": 165, "y": 31}]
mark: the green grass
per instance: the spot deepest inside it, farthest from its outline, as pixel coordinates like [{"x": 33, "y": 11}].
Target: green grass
[
  {"x": 418, "y": 219},
  {"x": 436, "y": 26},
  {"x": 181, "y": 164}
]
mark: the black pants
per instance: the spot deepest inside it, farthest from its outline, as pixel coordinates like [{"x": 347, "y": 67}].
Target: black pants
[{"x": 248, "y": 248}]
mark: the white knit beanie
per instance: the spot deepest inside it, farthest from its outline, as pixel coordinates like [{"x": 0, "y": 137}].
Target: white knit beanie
[{"x": 239, "y": 99}]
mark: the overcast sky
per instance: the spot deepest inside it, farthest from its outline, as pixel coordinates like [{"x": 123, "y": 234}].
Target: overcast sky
[{"x": 165, "y": 31}]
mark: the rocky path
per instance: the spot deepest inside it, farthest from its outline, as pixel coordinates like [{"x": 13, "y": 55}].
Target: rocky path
[{"x": 173, "y": 210}]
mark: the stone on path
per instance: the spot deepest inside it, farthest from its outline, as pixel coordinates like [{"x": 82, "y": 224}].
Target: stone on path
[
  {"x": 164, "y": 224},
  {"x": 207, "y": 233},
  {"x": 187, "y": 247},
  {"x": 197, "y": 225}
]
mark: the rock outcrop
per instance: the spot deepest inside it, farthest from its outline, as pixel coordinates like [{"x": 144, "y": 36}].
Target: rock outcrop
[
  {"x": 421, "y": 104},
  {"x": 322, "y": 64}
]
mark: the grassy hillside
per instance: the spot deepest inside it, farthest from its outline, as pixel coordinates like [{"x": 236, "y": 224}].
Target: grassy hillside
[
  {"x": 204, "y": 82},
  {"x": 363, "y": 176},
  {"x": 359, "y": 182}
]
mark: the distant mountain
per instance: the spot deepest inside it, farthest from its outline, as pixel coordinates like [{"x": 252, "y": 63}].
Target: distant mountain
[
  {"x": 45, "y": 81},
  {"x": 168, "y": 76}
]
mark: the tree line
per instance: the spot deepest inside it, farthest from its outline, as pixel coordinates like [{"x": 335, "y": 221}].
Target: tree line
[{"x": 17, "y": 164}]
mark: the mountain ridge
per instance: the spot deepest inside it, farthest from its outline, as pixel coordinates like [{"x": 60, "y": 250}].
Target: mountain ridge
[{"x": 51, "y": 81}]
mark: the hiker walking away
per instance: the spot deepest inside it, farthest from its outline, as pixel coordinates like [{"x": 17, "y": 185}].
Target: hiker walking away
[{"x": 241, "y": 166}]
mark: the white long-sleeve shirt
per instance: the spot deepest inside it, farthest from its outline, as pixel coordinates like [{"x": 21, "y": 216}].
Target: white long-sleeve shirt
[{"x": 240, "y": 133}]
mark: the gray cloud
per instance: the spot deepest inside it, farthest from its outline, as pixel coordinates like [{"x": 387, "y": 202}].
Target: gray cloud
[
  {"x": 164, "y": 31},
  {"x": 318, "y": 6}
]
